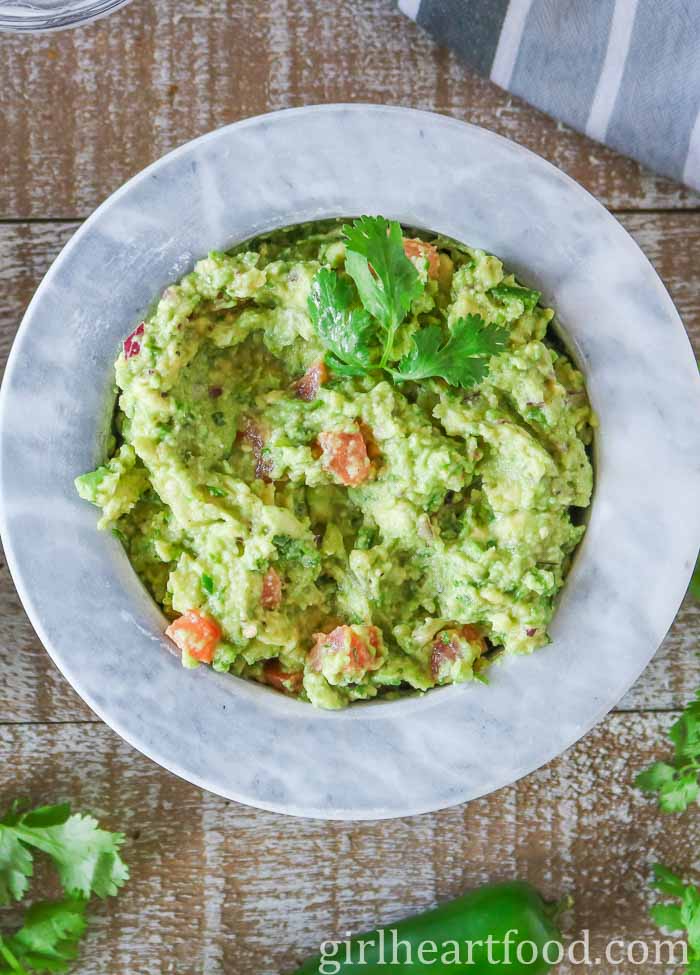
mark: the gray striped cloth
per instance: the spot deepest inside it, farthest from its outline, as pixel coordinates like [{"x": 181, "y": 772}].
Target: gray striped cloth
[{"x": 625, "y": 72}]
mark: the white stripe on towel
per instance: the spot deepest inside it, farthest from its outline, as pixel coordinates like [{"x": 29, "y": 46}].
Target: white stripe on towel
[
  {"x": 509, "y": 42},
  {"x": 611, "y": 72},
  {"x": 410, "y": 8}
]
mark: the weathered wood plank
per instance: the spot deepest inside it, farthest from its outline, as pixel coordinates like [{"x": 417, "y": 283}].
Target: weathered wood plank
[
  {"x": 31, "y": 689},
  {"x": 218, "y": 887},
  {"x": 83, "y": 110}
]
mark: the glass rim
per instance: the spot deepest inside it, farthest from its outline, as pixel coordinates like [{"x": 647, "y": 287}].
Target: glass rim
[{"x": 56, "y": 20}]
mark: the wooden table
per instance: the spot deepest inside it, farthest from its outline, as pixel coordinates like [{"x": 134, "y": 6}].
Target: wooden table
[{"x": 218, "y": 887}]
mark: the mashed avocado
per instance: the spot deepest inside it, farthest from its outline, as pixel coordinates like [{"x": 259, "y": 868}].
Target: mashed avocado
[{"x": 313, "y": 520}]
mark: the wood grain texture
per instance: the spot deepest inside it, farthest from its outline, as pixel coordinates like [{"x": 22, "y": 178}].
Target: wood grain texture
[
  {"x": 31, "y": 689},
  {"x": 82, "y": 110},
  {"x": 220, "y": 888}
]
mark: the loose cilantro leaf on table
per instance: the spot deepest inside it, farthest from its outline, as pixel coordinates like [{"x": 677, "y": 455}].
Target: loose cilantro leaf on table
[
  {"x": 86, "y": 857},
  {"x": 345, "y": 331},
  {"x": 463, "y": 360},
  {"x": 386, "y": 280},
  {"x": 87, "y": 861},
  {"x": 695, "y": 581},
  {"x": 48, "y": 939},
  {"x": 676, "y": 782},
  {"x": 683, "y": 916},
  {"x": 528, "y": 297}
]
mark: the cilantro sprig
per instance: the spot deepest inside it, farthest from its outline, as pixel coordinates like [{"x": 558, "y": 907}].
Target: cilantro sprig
[
  {"x": 87, "y": 861},
  {"x": 386, "y": 280},
  {"x": 359, "y": 336},
  {"x": 682, "y": 916},
  {"x": 676, "y": 782},
  {"x": 463, "y": 360}
]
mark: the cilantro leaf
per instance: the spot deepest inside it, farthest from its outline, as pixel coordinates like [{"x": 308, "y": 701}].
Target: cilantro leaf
[
  {"x": 15, "y": 868},
  {"x": 386, "y": 280},
  {"x": 528, "y": 297},
  {"x": 656, "y": 776},
  {"x": 677, "y": 782},
  {"x": 667, "y": 916},
  {"x": 677, "y": 917},
  {"x": 685, "y": 733},
  {"x": 463, "y": 360},
  {"x": 690, "y": 916},
  {"x": 345, "y": 331},
  {"x": 48, "y": 939},
  {"x": 677, "y": 795},
  {"x": 666, "y": 881},
  {"x": 86, "y": 857}
]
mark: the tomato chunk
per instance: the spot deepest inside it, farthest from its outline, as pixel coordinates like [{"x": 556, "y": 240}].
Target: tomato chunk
[
  {"x": 271, "y": 589},
  {"x": 132, "y": 346},
  {"x": 452, "y": 645},
  {"x": 347, "y": 650},
  {"x": 345, "y": 456},
  {"x": 413, "y": 247},
  {"x": 198, "y": 635},
  {"x": 282, "y": 680},
  {"x": 371, "y": 445},
  {"x": 308, "y": 386}
]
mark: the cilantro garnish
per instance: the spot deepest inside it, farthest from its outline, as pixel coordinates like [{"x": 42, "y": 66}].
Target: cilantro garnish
[
  {"x": 360, "y": 339},
  {"x": 463, "y": 360},
  {"x": 684, "y": 916},
  {"x": 345, "y": 331},
  {"x": 676, "y": 782},
  {"x": 87, "y": 861},
  {"x": 386, "y": 280}
]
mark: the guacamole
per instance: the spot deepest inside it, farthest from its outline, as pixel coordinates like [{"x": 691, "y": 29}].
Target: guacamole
[{"x": 348, "y": 474}]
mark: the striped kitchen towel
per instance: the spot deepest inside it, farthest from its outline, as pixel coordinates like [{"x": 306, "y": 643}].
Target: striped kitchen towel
[{"x": 625, "y": 72}]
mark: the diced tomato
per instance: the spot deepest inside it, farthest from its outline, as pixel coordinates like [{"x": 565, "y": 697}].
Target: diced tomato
[
  {"x": 419, "y": 248},
  {"x": 345, "y": 640},
  {"x": 345, "y": 455},
  {"x": 132, "y": 346},
  {"x": 252, "y": 434},
  {"x": 283, "y": 680},
  {"x": 271, "y": 589},
  {"x": 308, "y": 386},
  {"x": 197, "y": 634},
  {"x": 449, "y": 646}
]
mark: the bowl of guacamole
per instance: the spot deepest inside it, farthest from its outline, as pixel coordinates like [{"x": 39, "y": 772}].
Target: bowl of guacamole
[
  {"x": 350, "y": 460},
  {"x": 411, "y": 495}
]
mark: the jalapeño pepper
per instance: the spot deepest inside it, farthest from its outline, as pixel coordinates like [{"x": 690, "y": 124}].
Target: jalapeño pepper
[{"x": 506, "y": 928}]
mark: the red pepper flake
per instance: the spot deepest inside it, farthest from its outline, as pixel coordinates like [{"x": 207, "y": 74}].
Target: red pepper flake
[
  {"x": 215, "y": 392},
  {"x": 132, "y": 346}
]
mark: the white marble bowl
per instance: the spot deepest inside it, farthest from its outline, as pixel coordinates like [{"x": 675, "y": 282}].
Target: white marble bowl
[{"x": 242, "y": 740}]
